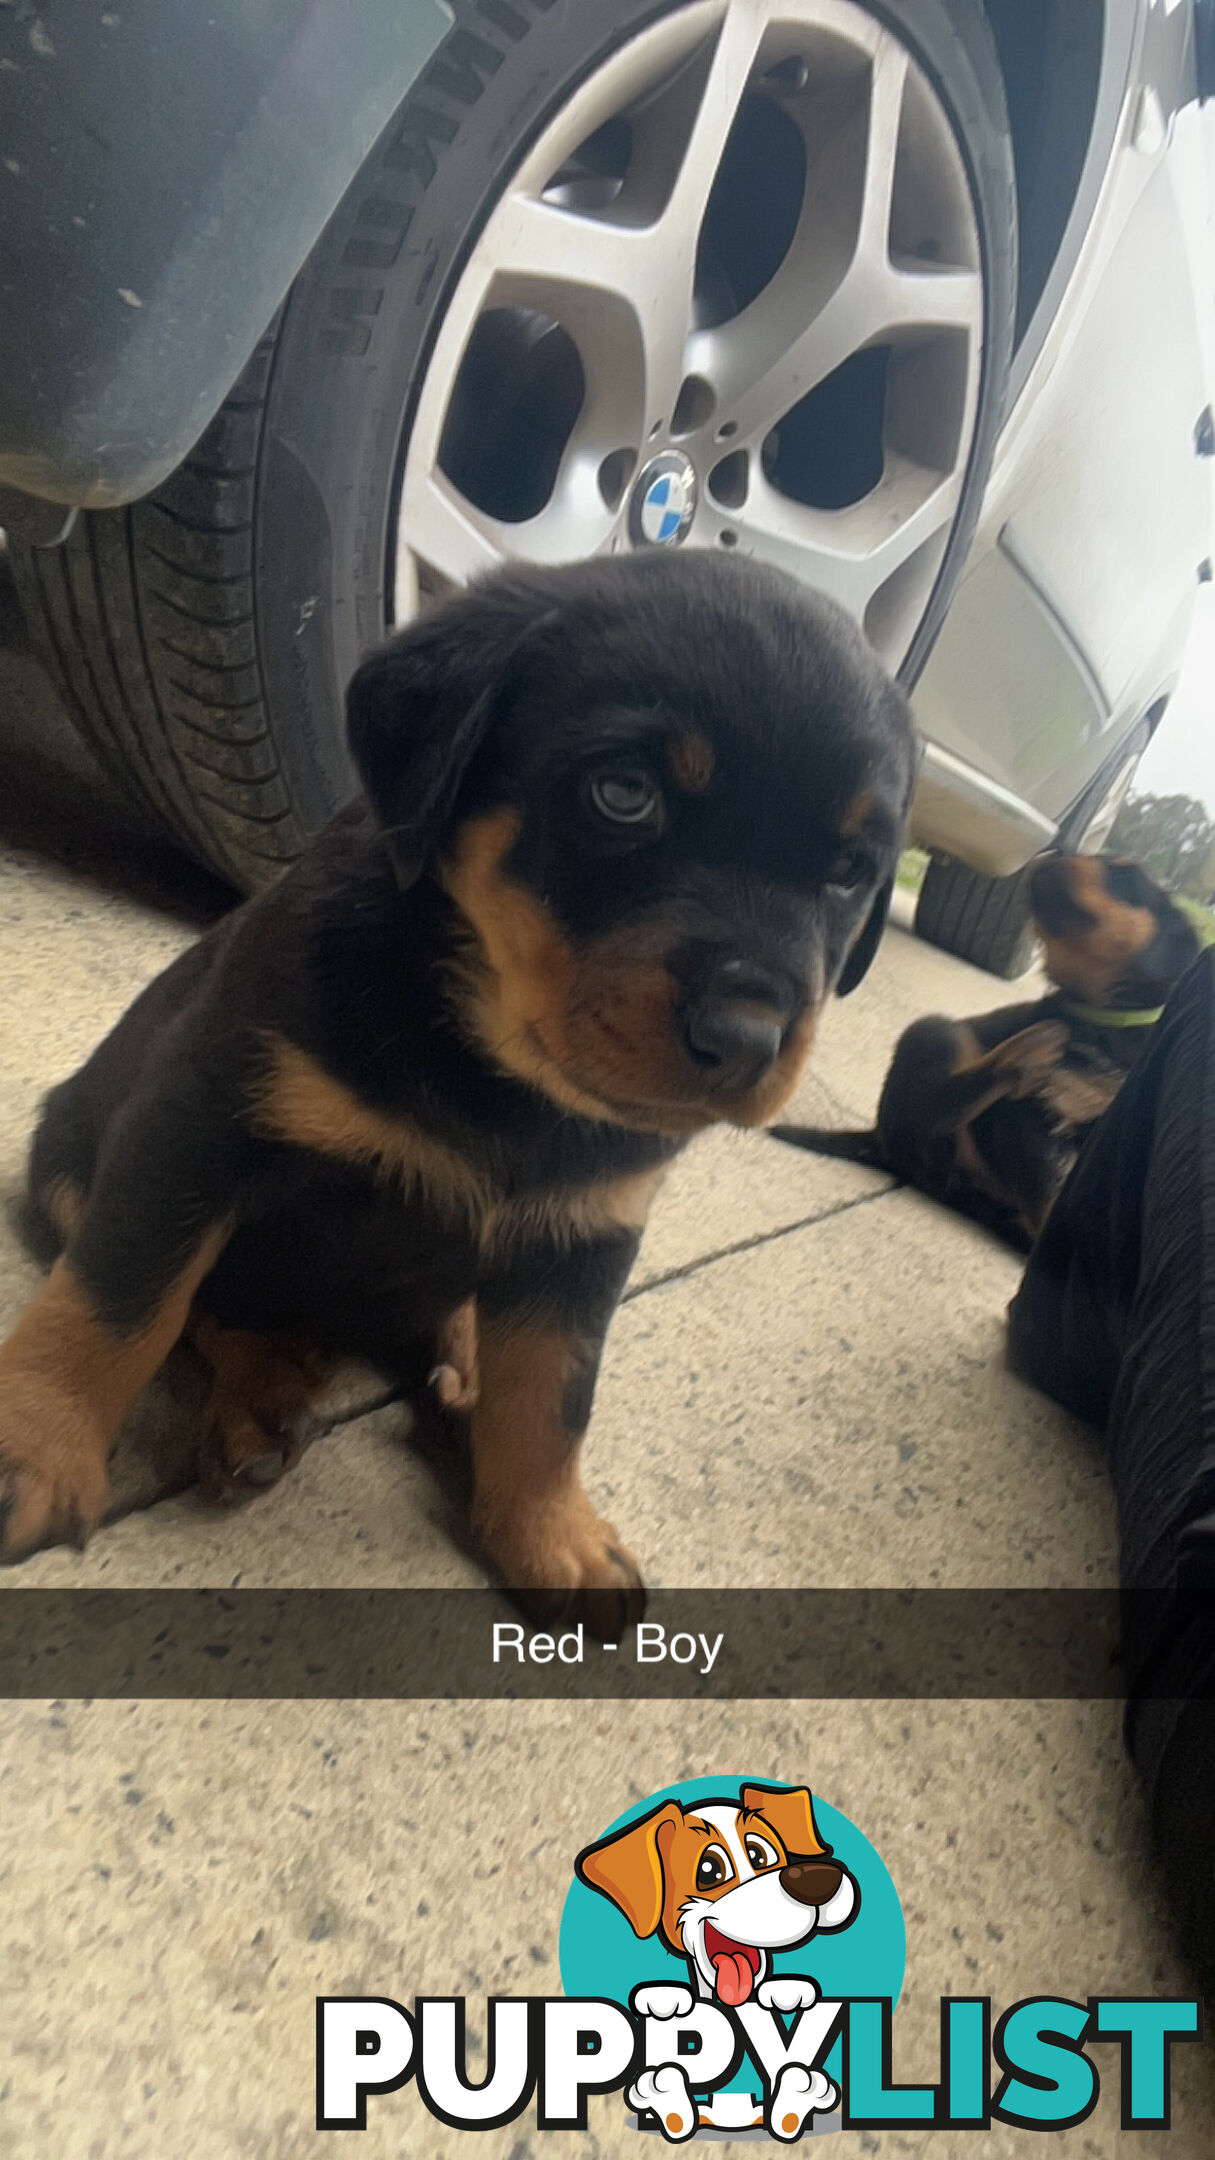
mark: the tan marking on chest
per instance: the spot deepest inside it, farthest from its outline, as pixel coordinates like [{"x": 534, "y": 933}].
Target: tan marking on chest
[{"x": 299, "y": 1102}]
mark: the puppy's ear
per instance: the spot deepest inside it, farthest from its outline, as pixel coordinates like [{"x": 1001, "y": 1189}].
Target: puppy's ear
[
  {"x": 861, "y": 955},
  {"x": 418, "y": 710},
  {"x": 790, "y": 1814},
  {"x": 627, "y": 1868}
]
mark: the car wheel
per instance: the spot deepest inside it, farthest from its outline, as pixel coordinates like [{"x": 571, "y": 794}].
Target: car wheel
[
  {"x": 987, "y": 920},
  {"x": 735, "y": 273}
]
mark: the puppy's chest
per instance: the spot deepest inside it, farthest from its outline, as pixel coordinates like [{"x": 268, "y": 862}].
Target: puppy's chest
[{"x": 301, "y": 1104}]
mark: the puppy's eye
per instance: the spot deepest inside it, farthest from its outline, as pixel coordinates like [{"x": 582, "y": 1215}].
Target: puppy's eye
[
  {"x": 626, "y": 795},
  {"x": 714, "y": 1868},
  {"x": 760, "y": 1853},
  {"x": 851, "y": 869}
]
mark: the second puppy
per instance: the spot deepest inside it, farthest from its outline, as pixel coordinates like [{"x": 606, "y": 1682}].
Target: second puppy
[{"x": 986, "y": 1114}]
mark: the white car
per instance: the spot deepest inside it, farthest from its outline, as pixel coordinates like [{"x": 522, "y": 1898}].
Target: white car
[{"x": 908, "y": 296}]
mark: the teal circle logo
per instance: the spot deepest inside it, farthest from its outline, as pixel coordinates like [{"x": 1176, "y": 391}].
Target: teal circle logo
[{"x": 724, "y": 1887}]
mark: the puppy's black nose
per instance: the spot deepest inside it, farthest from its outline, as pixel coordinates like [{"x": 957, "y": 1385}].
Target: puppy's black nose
[
  {"x": 734, "y": 1042},
  {"x": 734, "y": 1021},
  {"x": 734, "y": 1025},
  {"x": 812, "y": 1882}
]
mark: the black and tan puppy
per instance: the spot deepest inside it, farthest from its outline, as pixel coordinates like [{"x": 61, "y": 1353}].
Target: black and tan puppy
[
  {"x": 986, "y": 1115},
  {"x": 626, "y": 826}
]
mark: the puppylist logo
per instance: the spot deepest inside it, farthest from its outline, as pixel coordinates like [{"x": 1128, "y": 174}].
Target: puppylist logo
[{"x": 732, "y": 1952}]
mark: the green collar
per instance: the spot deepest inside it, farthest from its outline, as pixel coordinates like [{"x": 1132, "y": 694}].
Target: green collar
[{"x": 1108, "y": 1017}]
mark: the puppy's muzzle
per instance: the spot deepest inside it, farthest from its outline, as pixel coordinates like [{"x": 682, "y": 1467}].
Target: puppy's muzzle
[
  {"x": 1056, "y": 911},
  {"x": 734, "y": 1029},
  {"x": 811, "y": 1882}
]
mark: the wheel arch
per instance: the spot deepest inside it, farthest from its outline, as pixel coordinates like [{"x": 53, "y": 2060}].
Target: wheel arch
[{"x": 1066, "y": 66}]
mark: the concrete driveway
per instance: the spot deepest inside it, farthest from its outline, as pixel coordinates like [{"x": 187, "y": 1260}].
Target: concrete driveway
[{"x": 804, "y": 1388}]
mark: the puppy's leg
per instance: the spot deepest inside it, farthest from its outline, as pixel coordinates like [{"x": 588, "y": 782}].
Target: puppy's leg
[
  {"x": 1015, "y": 1069},
  {"x": 67, "y": 1378},
  {"x": 263, "y": 1390},
  {"x": 112, "y": 1307},
  {"x": 530, "y": 1511},
  {"x": 541, "y": 1338}
]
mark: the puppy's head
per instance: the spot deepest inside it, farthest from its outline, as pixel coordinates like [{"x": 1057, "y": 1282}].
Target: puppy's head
[
  {"x": 1109, "y": 933},
  {"x": 725, "y": 1884},
  {"x": 665, "y": 795}
]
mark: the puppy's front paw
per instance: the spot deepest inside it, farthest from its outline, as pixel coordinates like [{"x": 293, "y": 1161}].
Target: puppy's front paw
[
  {"x": 787, "y": 1992},
  {"x": 665, "y": 2093},
  {"x": 53, "y": 1482},
  {"x": 567, "y": 1566},
  {"x": 662, "y": 1999}
]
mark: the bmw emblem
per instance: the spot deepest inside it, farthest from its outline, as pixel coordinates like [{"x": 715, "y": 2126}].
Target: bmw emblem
[{"x": 664, "y": 502}]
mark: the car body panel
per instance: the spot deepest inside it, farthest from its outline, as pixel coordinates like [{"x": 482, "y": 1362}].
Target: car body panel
[
  {"x": 166, "y": 172},
  {"x": 1074, "y": 611}
]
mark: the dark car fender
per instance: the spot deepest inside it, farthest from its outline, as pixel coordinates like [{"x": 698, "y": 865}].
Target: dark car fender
[{"x": 166, "y": 168}]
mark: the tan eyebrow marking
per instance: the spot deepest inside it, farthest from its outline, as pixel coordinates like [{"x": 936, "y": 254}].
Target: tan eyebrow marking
[
  {"x": 691, "y": 761},
  {"x": 858, "y": 810}
]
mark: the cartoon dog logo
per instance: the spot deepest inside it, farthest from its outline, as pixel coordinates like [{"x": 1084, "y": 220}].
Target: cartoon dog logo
[{"x": 725, "y": 1884}]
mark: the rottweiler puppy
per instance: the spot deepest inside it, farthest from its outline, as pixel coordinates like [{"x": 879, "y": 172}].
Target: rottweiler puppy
[
  {"x": 625, "y": 827},
  {"x": 986, "y": 1115}
]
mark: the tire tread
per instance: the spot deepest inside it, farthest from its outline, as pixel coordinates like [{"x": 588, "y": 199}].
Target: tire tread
[
  {"x": 147, "y": 619},
  {"x": 980, "y": 919}
]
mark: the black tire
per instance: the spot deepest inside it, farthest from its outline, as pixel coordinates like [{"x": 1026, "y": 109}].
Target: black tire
[
  {"x": 981, "y": 919},
  {"x": 203, "y": 637},
  {"x": 987, "y": 920}
]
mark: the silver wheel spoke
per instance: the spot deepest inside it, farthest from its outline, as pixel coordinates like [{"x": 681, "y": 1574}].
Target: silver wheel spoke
[
  {"x": 446, "y": 532},
  {"x": 650, "y": 267},
  {"x": 760, "y": 366},
  {"x": 733, "y": 59},
  {"x": 932, "y": 300},
  {"x": 889, "y": 80},
  {"x": 850, "y": 554},
  {"x": 757, "y": 381},
  {"x": 539, "y": 245},
  {"x": 639, "y": 267},
  {"x": 872, "y": 303}
]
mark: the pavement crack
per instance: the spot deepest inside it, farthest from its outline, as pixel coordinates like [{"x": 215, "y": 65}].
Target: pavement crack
[{"x": 751, "y": 1244}]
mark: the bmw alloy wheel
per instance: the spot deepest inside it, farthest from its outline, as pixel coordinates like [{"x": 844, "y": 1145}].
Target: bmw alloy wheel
[{"x": 733, "y": 296}]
